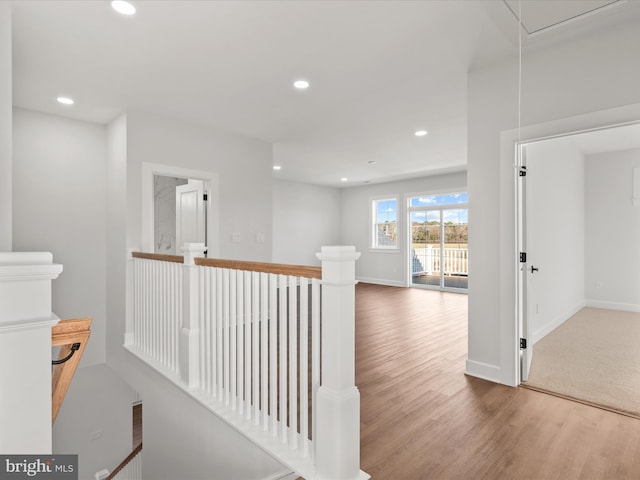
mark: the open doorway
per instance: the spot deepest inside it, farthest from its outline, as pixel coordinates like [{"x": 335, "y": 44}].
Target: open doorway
[
  {"x": 179, "y": 213},
  {"x": 179, "y": 206},
  {"x": 578, "y": 232}
]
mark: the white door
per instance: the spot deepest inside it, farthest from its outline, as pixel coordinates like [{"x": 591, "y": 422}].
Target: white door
[
  {"x": 190, "y": 214},
  {"x": 527, "y": 304}
]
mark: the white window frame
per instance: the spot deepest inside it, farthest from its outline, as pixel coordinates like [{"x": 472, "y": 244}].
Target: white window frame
[{"x": 373, "y": 242}]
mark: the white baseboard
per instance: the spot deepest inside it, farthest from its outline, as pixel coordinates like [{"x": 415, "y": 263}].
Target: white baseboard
[
  {"x": 485, "y": 371},
  {"x": 625, "y": 307},
  {"x": 284, "y": 475},
  {"x": 546, "y": 329},
  {"x": 381, "y": 281}
]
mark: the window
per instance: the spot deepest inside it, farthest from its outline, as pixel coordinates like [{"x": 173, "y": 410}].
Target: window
[
  {"x": 385, "y": 223},
  {"x": 434, "y": 200}
]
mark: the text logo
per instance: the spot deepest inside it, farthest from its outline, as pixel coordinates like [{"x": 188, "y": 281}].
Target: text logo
[{"x": 50, "y": 467}]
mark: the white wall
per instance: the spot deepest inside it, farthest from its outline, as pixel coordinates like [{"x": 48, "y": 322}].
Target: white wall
[
  {"x": 555, "y": 222},
  {"x": 188, "y": 441},
  {"x": 305, "y": 217},
  {"x": 386, "y": 267},
  {"x": 95, "y": 420},
  {"x": 6, "y": 101},
  {"x": 116, "y": 232},
  {"x": 560, "y": 86},
  {"x": 59, "y": 205},
  {"x": 612, "y": 231}
]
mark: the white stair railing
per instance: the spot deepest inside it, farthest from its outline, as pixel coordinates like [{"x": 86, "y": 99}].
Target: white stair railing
[{"x": 244, "y": 338}]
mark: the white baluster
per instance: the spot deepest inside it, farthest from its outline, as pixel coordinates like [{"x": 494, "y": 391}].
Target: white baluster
[
  {"x": 315, "y": 356},
  {"x": 264, "y": 347},
  {"x": 273, "y": 360},
  {"x": 304, "y": 365},
  {"x": 282, "y": 323},
  {"x": 241, "y": 321},
  {"x": 233, "y": 339},
  {"x": 247, "y": 344},
  {"x": 255, "y": 355},
  {"x": 293, "y": 362}
]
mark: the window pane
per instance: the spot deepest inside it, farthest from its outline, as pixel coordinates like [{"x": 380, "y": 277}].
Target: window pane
[
  {"x": 425, "y": 248},
  {"x": 431, "y": 200},
  {"x": 456, "y": 239},
  {"x": 385, "y": 214}
]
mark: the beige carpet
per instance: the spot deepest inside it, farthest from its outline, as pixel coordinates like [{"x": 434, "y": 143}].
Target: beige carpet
[{"x": 594, "y": 357}]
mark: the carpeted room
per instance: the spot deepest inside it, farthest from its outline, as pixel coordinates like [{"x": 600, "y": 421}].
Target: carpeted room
[{"x": 584, "y": 224}]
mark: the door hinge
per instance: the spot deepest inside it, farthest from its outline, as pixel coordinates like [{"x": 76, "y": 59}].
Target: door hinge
[
  {"x": 205, "y": 197},
  {"x": 523, "y": 343},
  {"x": 522, "y": 172},
  {"x": 523, "y": 257}
]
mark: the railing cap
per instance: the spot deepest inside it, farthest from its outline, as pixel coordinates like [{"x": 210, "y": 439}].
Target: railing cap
[{"x": 338, "y": 253}]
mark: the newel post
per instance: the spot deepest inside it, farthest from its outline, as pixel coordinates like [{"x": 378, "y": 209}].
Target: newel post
[
  {"x": 190, "y": 333},
  {"x": 337, "y": 439}
]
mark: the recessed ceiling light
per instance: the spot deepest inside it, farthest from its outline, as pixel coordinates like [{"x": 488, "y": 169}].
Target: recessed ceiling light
[
  {"x": 277, "y": 167},
  {"x": 301, "y": 84},
  {"x": 344, "y": 179},
  {"x": 125, "y": 8},
  {"x": 420, "y": 133},
  {"x": 65, "y": 100}
]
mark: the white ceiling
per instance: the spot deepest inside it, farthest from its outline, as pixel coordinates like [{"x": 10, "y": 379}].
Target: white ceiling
[{"x": 379, "y": 70}]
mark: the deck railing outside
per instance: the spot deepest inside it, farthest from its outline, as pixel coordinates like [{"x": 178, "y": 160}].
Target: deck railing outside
[
  {"x": 270, "y": 348},
  {"x": 428, "y": 260}
]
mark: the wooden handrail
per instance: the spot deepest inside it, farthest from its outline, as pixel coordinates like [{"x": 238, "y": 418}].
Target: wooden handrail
[
  {"x": 263, "y": 267},
  {"x": 64, "y": 335},
  {"x": 162, "y": 257},
  {"x": 278, "y": 268},
  {"x": 125, "y": 462}
]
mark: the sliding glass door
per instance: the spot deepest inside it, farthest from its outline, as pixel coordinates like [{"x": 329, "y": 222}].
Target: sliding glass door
[{"x": 438, "y": 234}]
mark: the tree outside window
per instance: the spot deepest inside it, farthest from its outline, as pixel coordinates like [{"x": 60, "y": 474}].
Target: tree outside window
[{"x": 385, "y": 223}]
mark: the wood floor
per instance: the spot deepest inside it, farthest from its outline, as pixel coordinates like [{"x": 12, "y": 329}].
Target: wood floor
[{"x": 422, "y": 418}]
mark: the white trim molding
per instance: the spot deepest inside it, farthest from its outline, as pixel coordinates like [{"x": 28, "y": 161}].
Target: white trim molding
[
  {"x": 381, "y": 281},
  {"x": 555, "y": 323},
  {"x": 485, "y": 371},
  {"x": 284, "y": 475},
  {"x": 625, "y": 307}
]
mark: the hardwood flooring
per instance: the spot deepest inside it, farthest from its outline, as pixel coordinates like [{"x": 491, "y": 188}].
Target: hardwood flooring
[{"x": 422, "y": 418}]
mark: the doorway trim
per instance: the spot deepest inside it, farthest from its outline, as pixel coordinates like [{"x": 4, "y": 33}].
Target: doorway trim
[
  {"x": 211, "y": 181},
  {"x": 593, "y": 122}
]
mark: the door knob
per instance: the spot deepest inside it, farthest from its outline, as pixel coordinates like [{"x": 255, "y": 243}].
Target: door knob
[{"x": 533, "y": 269}]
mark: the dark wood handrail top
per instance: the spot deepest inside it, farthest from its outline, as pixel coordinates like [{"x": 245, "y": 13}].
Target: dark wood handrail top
[
  {"x": 161, "y": 257},
  {"x": 263, "y": 267}
]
